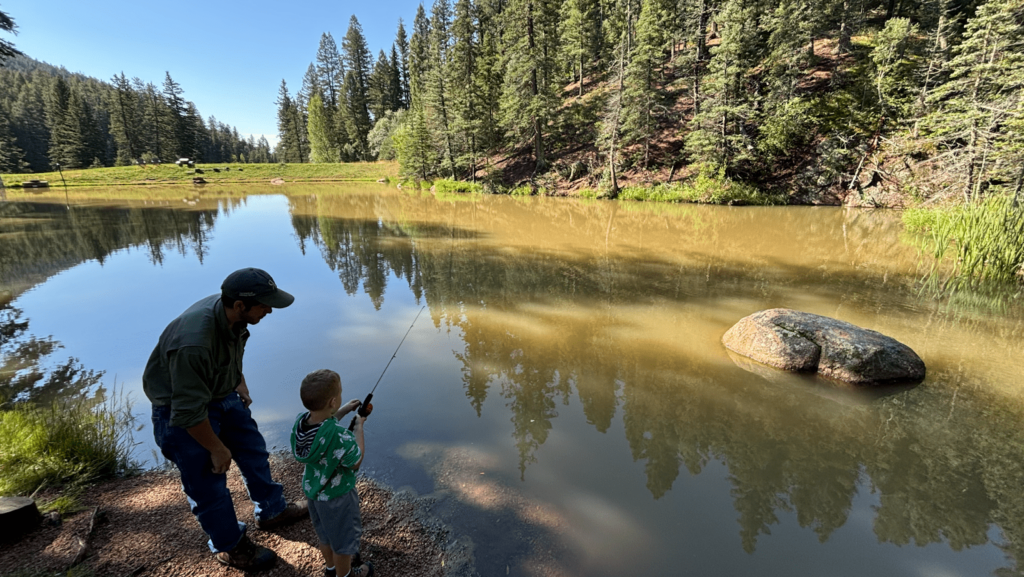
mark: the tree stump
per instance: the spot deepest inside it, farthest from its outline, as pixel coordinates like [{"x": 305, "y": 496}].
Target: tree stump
[{"x": 18, "y": 517}]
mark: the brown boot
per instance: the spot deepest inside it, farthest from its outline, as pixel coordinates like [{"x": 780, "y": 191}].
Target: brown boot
[
  {"x": 293, "y": 512},
  {"x": 247, "y": 556}
]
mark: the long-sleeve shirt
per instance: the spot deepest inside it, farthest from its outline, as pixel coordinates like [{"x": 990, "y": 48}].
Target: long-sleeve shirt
[{"x": 197, "y": 360}]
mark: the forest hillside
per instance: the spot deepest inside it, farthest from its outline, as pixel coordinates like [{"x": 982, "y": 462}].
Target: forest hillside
[
  {"x": 50, "y": 116},
  {"x": 869, "y": 102}
]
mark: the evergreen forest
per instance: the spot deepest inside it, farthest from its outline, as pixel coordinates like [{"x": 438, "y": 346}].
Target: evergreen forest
[
  {"x": 820, "y": 100},
  {"x": 49, "y": 116}
]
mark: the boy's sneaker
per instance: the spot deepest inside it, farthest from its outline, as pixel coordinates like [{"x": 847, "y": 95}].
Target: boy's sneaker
[
  {"x": 247, "y": 556},
  {"x": 365, "y": 570},
  {"x": 292, "y": 513}
]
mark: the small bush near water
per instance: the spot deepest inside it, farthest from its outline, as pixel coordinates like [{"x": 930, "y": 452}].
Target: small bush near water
[
  {"x": 708, "y": 187},
  {"x": 457, "y": 186},
  {"x": 984, "y": 239},
  {"x": 67, "y": 445}
]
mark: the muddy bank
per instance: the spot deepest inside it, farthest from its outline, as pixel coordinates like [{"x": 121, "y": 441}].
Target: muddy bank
[{"x": 146, "y": 528}]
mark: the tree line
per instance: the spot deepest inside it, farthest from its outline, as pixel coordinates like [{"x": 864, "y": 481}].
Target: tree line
[
  {"x": 49, "y": 116},
  {"x": 811, "y": 89}
]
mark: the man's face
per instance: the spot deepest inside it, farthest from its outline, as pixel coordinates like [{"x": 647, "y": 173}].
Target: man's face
[{"x": 255, "y": 314}]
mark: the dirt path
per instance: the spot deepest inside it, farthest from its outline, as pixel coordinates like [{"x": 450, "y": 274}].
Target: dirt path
[{"x": 147, "y": 529}]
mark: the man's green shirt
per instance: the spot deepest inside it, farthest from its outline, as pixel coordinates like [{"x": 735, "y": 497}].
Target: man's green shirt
[{"x": 197, "y": 360}]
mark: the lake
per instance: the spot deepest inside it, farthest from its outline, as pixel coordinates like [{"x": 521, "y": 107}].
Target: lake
[{"x": 565, "y": 396}]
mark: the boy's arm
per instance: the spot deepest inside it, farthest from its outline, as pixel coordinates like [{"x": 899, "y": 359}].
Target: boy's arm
[
  {"x": 358, "y": 432},
  {"x": 347, "y": 408}
]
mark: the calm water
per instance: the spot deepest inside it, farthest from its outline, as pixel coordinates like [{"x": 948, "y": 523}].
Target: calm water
[{"x": 565, "y": 395}]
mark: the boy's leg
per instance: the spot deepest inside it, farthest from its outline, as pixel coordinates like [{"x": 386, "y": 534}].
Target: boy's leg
[
  {"x": 249, "y": 451},
  {"x": 207, "y": 492}
]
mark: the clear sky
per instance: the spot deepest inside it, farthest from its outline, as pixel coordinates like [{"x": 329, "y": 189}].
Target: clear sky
[{"x": 228, "y": 57}]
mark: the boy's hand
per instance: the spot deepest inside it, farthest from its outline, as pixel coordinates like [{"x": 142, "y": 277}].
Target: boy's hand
[
  {"x": 351, "y": 406},
  {"x": 359, "y": 421}
]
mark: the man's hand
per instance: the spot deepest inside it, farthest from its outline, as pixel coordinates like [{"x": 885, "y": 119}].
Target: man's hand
[
  {"x": 221, "y": 461},
  {"x": 243, "y": 392}
]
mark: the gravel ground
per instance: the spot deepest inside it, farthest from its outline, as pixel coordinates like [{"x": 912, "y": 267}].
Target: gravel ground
[{"x": 144, "y": 527}]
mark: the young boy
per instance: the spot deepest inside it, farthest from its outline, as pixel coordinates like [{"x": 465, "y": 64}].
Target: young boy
[{"x": 332, "y": 455}]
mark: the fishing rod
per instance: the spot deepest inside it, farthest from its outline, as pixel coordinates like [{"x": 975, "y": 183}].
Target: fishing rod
[{"x": 365, "y": 408}]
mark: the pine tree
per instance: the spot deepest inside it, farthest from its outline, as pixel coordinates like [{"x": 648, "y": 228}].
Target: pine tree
[
  {"x": 642, "y": 97},
  {"x": 528, "y": 98},
  {"x": 7, "y": 50},
  {"x": 395, "y": 86},
  {"x": 125, "y": 120},
  {"x": 11, "y": 157},
  {"x": 976, "y": 116},
  {"x": 722, "y": 129},
  {"x": 321, "y": 145},
  {"x": 65, "y": 115},
  {"x": 419, "y": 53},
  {"x": 356, "y": 57},
  {"x": 180, "y": 141},
  {"x": 414, "y": 144},
  {"x": 466, "y": 104},
  {"x": 436, "y": 100},
  {"x": 402, "y": 44},
  {"x": 289, "y": 145},
  {"x": 330, "y": 70},
  {"x": 579, "y": 35},
  {"x": 379, "y": 91}
]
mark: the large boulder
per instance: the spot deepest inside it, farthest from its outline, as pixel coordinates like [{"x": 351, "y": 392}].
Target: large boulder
[{"x": 798, "y": 341}]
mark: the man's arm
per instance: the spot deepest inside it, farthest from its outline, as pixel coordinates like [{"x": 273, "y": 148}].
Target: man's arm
[{"x": 219, "y": 453}]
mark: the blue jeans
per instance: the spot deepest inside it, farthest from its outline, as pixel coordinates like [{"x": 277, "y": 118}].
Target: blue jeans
[{"x": 207, "y": 492}]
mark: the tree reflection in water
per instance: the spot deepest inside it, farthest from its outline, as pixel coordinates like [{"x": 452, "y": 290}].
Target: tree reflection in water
[
  {"x": 40, "y": 239},
  {"x": 947, "y": 462}
]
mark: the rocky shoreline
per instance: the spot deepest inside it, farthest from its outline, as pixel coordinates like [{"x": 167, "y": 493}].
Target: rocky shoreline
[{"x": 144, "y": 527}]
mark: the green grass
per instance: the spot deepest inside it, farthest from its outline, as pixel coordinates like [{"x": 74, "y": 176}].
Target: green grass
[
  {"x": 66, "y": 445},
  {"x": 238, "y": 173},
  {"x": 983, "y": 240},
  {"x": 707, "y": 187},
  {"x": 448, "y": 185}
]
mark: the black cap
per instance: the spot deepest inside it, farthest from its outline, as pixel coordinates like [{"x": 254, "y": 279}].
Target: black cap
[{"x": 255, "y": 284}]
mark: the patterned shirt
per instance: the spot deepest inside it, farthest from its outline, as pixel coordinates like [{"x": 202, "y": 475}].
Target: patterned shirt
[{"x": 329, "y": 460}]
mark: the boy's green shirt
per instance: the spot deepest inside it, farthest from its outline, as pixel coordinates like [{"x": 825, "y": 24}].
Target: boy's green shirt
[{"x": 334, "y": 452}]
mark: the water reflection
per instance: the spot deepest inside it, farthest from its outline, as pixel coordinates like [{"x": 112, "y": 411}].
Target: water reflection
[
  {"x": 618, "y": 309},
  {"x": 544, "y": 319}
]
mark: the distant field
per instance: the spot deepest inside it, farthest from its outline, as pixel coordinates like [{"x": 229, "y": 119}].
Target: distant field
[{"x": 229, "y": 173}]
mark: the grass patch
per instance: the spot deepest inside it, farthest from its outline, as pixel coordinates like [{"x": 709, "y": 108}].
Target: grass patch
[
  {"x": 984, "y": 240},
  {"x": 65, "y": 445},
  {"x": 229, "y": 173},
  {"x": 521, "y": 191},
  {"x": 447, "y": 185}
]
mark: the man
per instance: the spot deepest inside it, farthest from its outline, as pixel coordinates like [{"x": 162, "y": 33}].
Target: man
[{"x": 201, "y": 417}]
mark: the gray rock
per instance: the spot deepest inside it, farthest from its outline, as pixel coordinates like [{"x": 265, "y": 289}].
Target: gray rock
[{"x": 803, "y": 342}]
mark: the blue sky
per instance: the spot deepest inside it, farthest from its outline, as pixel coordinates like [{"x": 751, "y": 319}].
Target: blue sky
[{"x": 229, "y": 57}]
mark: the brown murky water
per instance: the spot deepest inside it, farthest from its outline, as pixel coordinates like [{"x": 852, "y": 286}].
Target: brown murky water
[{"x": 565, "y": 395}]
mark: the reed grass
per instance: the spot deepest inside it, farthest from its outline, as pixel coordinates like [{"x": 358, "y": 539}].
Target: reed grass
[
  {"x": 983, "y": 240},
  {"x": 66, "y": 445}
]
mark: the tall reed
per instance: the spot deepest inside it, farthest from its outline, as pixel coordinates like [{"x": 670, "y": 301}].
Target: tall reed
[{"x": 984, "y": 239}]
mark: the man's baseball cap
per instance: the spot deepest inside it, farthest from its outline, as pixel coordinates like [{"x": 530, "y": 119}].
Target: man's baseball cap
[{"x": 255, "y": 284}]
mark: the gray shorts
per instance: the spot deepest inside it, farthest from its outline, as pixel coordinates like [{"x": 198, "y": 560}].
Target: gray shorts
[{"x": 337, "y": 523}]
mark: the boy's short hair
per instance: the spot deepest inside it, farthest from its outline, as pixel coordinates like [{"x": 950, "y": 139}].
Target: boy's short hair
[{"x": 318, "y": 387}]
